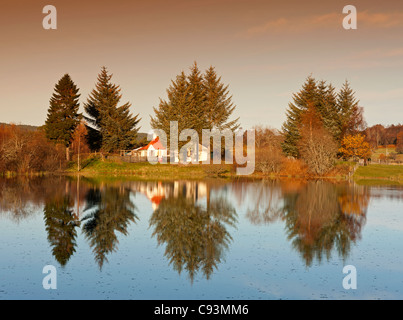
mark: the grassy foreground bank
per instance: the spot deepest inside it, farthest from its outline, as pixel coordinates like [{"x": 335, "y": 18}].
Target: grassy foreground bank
[
  {"x": 380, "y": 173},
  {"x": 145, "y": 170}
]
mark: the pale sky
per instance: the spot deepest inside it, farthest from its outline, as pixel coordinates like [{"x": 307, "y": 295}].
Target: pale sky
[{"x": 263, "y": 49}]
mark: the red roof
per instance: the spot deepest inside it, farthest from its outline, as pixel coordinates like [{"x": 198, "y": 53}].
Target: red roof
[{"x": 156, "y": 143}]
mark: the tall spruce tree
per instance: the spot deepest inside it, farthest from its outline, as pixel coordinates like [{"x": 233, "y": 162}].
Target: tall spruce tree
[
  {"x": 196, "y": 112},
  {"x": 351, "y": 115},
  {"x": 175, "y": 108},
  {"x": 219, "y": 106},
  {"x": 197, "y": 101},
  {"x": 327, "y": 109},
  {"x": 63, "y": 116},
  {"x": 291, "y": 128},
  {"x": 61, "y": 225},
  {"x": 111, "y": 127}
]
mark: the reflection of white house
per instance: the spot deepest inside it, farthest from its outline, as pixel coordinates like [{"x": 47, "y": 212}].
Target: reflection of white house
[
  {"x": 157, "y": 191},
  {"x": 153, "y": 149},
  {"x": 190, "y": 189}
]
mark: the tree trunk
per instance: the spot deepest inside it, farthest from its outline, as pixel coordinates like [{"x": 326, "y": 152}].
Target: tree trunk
[
  {"x": 67, "y": 153},
  {"x": 78, "y": 154}
]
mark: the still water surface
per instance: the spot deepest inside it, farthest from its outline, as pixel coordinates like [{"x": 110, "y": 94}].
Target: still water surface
[{"x": 199, "y": 240}]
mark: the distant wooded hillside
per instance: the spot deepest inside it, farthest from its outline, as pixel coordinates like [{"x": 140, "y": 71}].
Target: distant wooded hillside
[
  {"x": 23, "y": 126},
  {"x": 141, "y": 136}
]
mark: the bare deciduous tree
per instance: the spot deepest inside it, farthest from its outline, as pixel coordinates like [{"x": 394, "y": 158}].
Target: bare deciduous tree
[
  {"x": 268, "y": 152},
  {"x": 317, "y": 147}
]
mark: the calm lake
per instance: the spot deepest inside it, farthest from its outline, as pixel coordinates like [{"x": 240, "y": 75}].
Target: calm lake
[{"x": 116, "y": 239}]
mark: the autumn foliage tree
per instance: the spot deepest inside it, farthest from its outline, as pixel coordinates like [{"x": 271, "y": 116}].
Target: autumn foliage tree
[
  {"x": 355, "y": 147},
  {"x": 317, "y": 147},
  {"x": 399, "y": 143},
  {"x": 79, "y": 142}
]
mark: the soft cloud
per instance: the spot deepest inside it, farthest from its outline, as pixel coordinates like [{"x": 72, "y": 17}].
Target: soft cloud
[
  {"x": 381, "y": 20},
  {"x": 366, "y": 19},
  {"x": 276, "y": 25},
  {"x": 294, "y": 25},
  {"x": 378, "y": 53},
  {"x": 372, "y": 58}
]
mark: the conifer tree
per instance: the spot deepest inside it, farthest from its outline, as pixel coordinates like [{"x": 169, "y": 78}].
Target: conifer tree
[
  {"x": 302, "y": 100},
  {"x": 61, "y": 227},
  {"x": 196, "y": 101},
  {"x": 351, "y": 115},
  {"x": 327, "y": 108},
  {"x": 175, "y": 108},
  {"x": 185, "y": 104},
  {"x": 219, "y": 106},
  {"x": 111, "y": 127},
  {"x": 196, "y": 112},
  {"x": 340, "y": 114},
  {"x": 63, "y": 116}
]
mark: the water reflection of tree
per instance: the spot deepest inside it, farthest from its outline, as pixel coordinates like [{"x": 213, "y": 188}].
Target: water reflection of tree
[
  {"x": 266, "y": 197},
  {"x": 353, "y": 202},
  {"x": 316, "y": 223},
  {"x": 195, "y": 236},
  {"x": 319, "y": 216},
  {"x": 109, "y": 210},
  {"x": 61, "y": 223}
]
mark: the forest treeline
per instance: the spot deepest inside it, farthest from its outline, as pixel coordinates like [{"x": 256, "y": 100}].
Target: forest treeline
[
  {"x": 323, "y": 125},
  {"x": 382, "y": 136}
]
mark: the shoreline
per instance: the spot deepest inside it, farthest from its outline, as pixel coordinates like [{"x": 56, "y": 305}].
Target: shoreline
[{"x": 371, "y": 174}]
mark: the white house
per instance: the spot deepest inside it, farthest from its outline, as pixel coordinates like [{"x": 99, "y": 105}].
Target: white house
[
  {"x": 156, "y": 149},
  {"x": 203, "y": 154},
  {"x": 153, "y": 149}
]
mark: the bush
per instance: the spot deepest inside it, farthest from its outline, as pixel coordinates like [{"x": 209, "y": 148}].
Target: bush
[
  {"x": 318, "y": 150},
  {"x": 25, "y": 151},
  {"x": 392, "y": 156},
  {"x": 268, "y": 160},
  {"x": 268, "y": 154},
  {"x": 294, "y": 167},
  {"x": 382, "y": 158}
]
